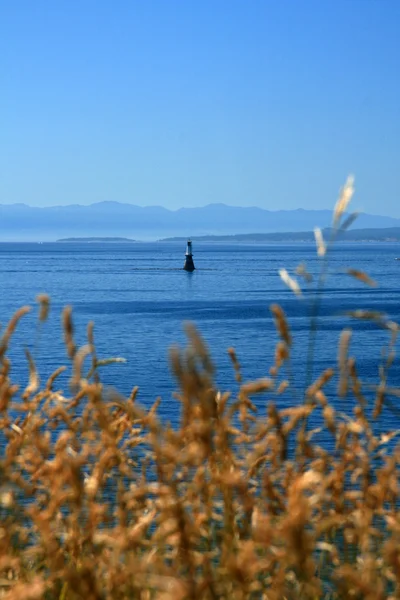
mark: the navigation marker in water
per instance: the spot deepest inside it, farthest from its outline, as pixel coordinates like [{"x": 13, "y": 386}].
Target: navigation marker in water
[{"x": 189, "y": 264}]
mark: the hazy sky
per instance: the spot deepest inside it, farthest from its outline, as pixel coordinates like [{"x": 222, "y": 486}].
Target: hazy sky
[{"x": 184, "y": 102}]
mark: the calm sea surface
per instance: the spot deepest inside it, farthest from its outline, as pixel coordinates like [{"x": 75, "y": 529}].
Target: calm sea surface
[{"x": 138, "y": 296}]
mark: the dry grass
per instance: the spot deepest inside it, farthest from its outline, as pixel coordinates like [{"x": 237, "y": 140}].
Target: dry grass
[{"x": 99, "y": 499}]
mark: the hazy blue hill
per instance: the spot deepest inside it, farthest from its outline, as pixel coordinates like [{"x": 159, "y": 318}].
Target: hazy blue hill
[
  {"x": 89, "y": 240},
  {"x": 113, "y": 219},
  {"x": 355, "y": 235}
]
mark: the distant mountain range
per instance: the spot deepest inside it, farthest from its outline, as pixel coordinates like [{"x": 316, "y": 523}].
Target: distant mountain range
[{"x": 113, "y": 219}]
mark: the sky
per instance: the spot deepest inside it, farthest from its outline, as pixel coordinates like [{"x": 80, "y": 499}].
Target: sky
[{"x": 268, "y": 103}]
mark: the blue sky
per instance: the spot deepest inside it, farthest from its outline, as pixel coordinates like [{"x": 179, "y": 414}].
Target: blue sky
[{"x": 184, "y": 102}]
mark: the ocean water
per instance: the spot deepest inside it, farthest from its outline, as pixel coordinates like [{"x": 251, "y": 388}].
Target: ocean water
[{"x": 138, "y": 297}]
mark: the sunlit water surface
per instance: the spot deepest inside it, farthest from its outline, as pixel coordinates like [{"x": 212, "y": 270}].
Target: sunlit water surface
[{"x": 139, "y": 296}]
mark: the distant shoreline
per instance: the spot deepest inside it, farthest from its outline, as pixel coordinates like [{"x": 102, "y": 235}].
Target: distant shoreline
[
  {"x": 364, "y": 236},
  {"x": 390, "y": 234},
  {"x": 271, "y": 241},
  {"x": 89, "y": 240}
]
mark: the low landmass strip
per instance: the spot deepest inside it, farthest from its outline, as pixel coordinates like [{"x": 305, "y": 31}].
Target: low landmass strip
[
  {"x": 386, "y": 234},
  {"x": 97, "y": 239}
]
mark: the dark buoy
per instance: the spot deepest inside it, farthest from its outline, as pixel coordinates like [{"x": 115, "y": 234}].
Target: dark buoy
[{"x": 189, "y": 264}]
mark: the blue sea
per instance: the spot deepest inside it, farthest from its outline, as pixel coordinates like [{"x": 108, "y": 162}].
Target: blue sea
[{"x": 138, "y": 297}]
